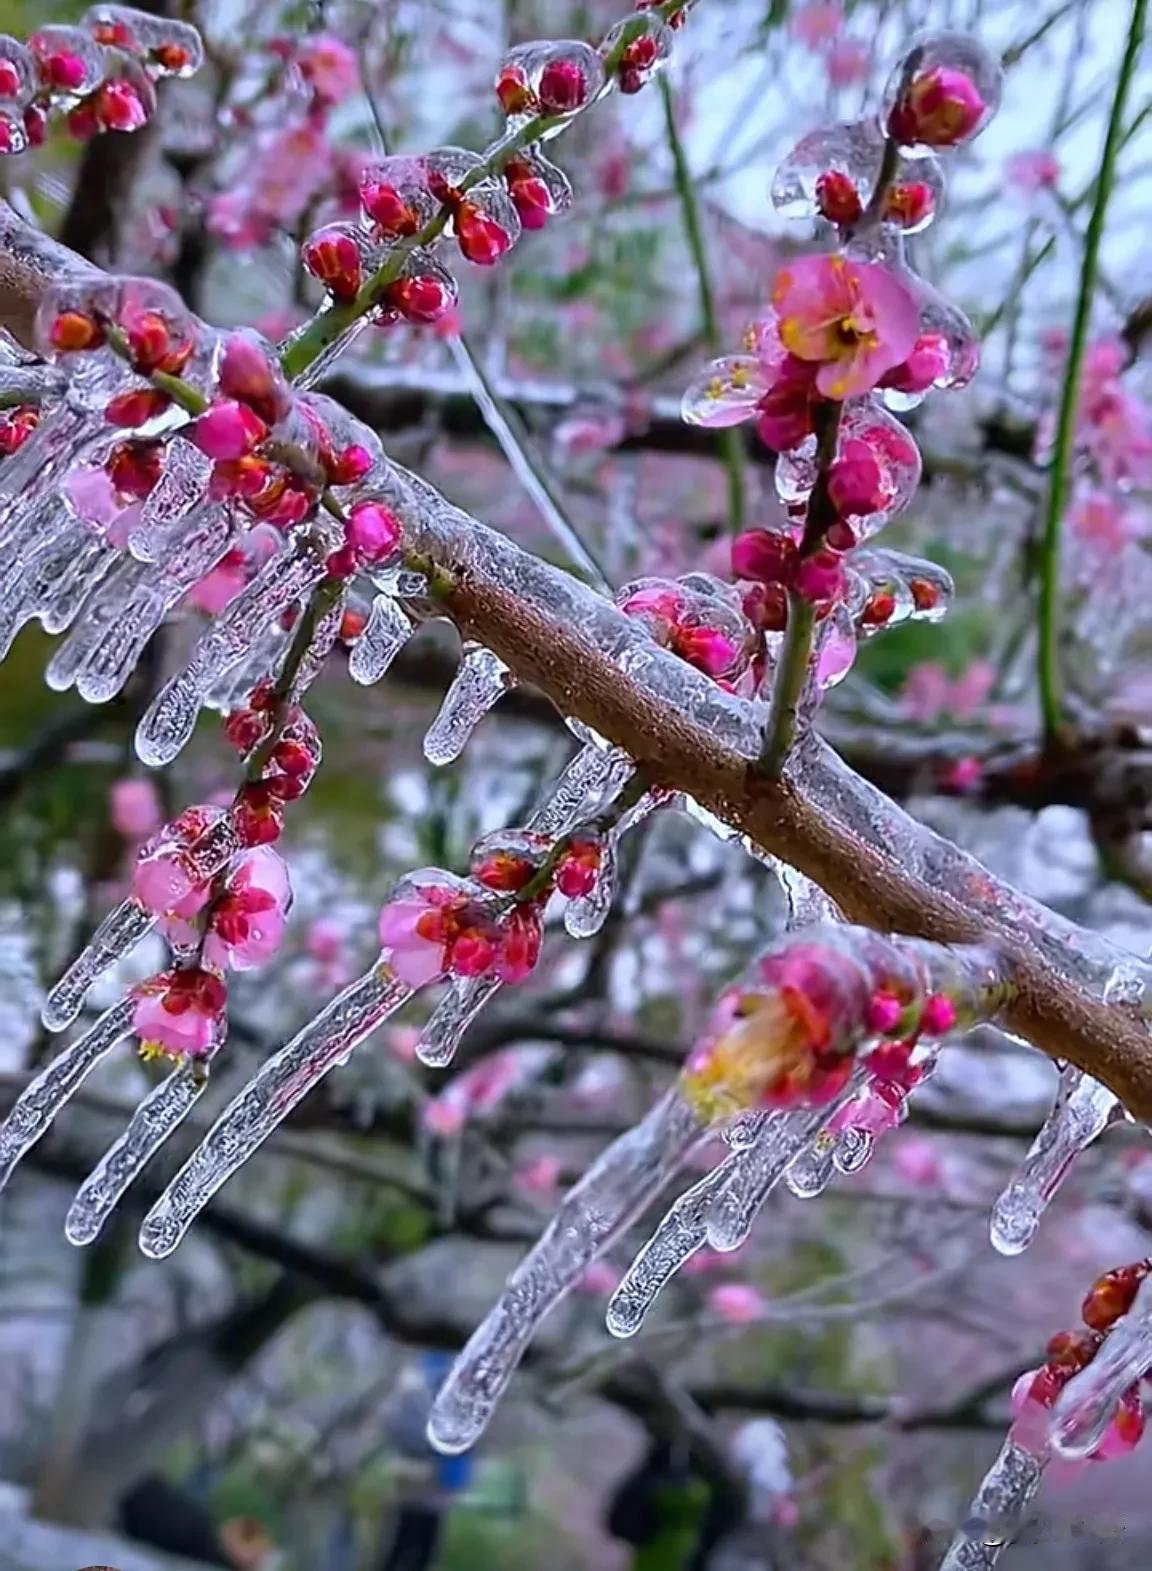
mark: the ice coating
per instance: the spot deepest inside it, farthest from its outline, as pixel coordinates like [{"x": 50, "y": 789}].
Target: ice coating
[
  {"x": 126, "y": 924},
  {"x": 622, "y": 1180},
  {"x": 168, "y": 722},
  {"x": 279, "y": 1084},
  {"x": 41, "y": 1100},
  {"x": 386, "y": 632},
  {"x": 680, "y": 1233},
  {"x": 481, "y": 680},
  {"x": 161, "y": 1112},
  {"x": 997, "y": 1510},
  {"x": 466, "y": 997},
  {"x": 1083, "y": 1109},
  {"x": 1086, "y": 1406}
]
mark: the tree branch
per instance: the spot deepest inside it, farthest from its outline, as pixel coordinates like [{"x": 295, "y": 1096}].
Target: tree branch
[{"x": 878, "y": 865}]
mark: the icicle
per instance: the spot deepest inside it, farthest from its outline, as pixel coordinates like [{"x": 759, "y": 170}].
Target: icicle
[
  {"x": 480, "y": 682},
  {"x": 618, "y": 1185},
  {"x": 117, "y": 621},
  {"x": 682, "y": 1231},
  {"x": 853, "y": 1150},
  {"x": 40, "y": 1101},
  {"x": 168, "y": 510},
  {"x": 60, "y": 603},
  {"x": 810, "y": 1173},
  {"x": 276, "y": 1088},
  {"x": 1082, "y": 1110},
  {"x": 32, "y": 472},
  {"x": 1087, "y": 1404},
  {"x": 171, "y": 716},
  {"x": 590, "y": 776},
  {"x": 118, "y": 934},
  {"x": 997, "y": 1510},
  {"x": 162, "y": 1111},
  {"x": 388, "y": 629},
  {"x": 758, "y": 1170},
  {"x": 27, "y": 588},
  {"x": 452, "y": 1016}
]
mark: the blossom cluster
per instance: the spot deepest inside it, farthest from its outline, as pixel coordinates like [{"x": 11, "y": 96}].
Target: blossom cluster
[
  {"x": 1067, "y": 1355},
  {"x": 821, "y": 1002},
  {"x": 852, "y": 334},
  {"x": 97, "y": 76}
]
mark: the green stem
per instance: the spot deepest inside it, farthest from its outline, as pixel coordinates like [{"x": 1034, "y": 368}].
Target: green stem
[
  {"x": 796, "y": 654},
  {"x": 1049, "y": 607},
  {"x": 633, "y": 789},
  {"x": 731, "y": 446}
]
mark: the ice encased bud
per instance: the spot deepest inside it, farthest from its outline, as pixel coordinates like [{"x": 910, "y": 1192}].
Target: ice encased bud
[
  {"x": 70, "y": 64},
  {"x": 887, "y": 440},
  {"x": 168, "y": 47},
  {"x": 395, "y": 196},
  {"x": 831, "y": 173},
  {"x": 942, "y": 92},
  {"x": 551, "y": 77},
  {"x": 641, "y": 46}
]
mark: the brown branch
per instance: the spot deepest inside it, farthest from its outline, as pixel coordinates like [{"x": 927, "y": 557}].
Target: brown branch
[{"x": 879, "y": 865}]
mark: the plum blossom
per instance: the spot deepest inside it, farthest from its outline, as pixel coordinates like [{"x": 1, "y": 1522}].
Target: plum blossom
[
  {"x": 854, "y": 320},
  {"x": 436, "y": 929},
  {"x": 246, "y": 922},
  {"x": 738, "y": 1303},
  {"x": 180, "y": 1013},
  {"x": 136, "y": 810}
]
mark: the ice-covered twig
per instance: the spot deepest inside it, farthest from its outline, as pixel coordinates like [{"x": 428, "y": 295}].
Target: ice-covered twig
[
  {"x": 1088, "y": 1403},
  {"x": 997, "y": 1510},
  {"x": 1081, "y": 1112}
]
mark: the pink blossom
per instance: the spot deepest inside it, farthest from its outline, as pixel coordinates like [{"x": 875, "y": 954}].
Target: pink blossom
[
  {"x": 246, "y": 924},
  {"x": 164, "y": 885},
  {"x": 965, "y": 775},
  {"x": 941, "y": 107},
  {"x": 856, "y": 485},
  {"x": 326, "y": 940},
  {"x": 1037, "y": 170},
  {"x": 94, "y": 498},
  {"x": 540, "y": 1176},
  {"x": 136, "y": 811},
  {"x": 329, "y": 67},
  {"x": 736, "y": 1302},
  {"x": 917, "y": 1162},
  {"x": 847, "y": 62},
  {"x": 836, "y": 657},
  {"x": 415, "y": 945},
  {"x": 817, "y": 22},
  {"x": 228, "y": 430},
  {"x": 855, "y": 320},
  {"x": 180, "y": 1013},
  {"x": 1099, "y": 519},
  {"x": 589, "y": 433}
]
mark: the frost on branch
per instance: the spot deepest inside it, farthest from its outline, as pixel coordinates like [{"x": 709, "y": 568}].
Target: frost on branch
[{"x": 815, "y": 1010}]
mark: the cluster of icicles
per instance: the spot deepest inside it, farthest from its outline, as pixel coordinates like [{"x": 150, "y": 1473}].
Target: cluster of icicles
[
  {"x": 97, "y": 76},
  {"x": 143, "y": 449}
]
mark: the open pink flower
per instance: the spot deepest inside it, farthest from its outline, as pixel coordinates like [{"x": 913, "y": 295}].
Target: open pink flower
[
  {"x": 434, "y": 929},
  {"x": 855, "y": 320},
  {"x": 246, "y": 924},
  {"x": 329, "y": 67},
  {"x": 180, "y": 1013}
]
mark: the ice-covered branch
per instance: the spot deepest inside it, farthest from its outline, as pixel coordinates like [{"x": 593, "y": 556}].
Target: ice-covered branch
[{"x": 1077, "y": 995}]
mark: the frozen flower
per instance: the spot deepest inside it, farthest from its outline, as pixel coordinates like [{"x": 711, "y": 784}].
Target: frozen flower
[
  {"x": 136, "y": 811},
  {"x": 435, "y": 929},
  {"x": 940, "y": 107},
  {"x": 855, "y": 320},
  {"x": 228, "y": 430},
  {"x": 246, "y": 923},
  {"x": 180, "y": 1013}
]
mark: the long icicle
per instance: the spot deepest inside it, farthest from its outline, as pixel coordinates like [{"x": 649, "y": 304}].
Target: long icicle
[
  {"x": 387, "y": 631},
  {"x": 161, "y": 1112},
  {"x": 618, "y": 1185},
  {"x": 276, "y": 1088},
  {"x": 41, "y": 1100},
  {"x": 997, "y": 1509},
  {"x": 480, "y": 682},
  {"x": 1081, "y": 1112}
]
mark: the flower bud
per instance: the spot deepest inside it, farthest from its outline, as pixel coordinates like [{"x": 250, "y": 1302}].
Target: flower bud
[
  {"x": 228, "y": 430},
  {"x": 941, "y": 107},
  {"x": 334, "y": 259},
  {"x": 856, "y": 486},
  {"x": 837, "y": 198}
]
